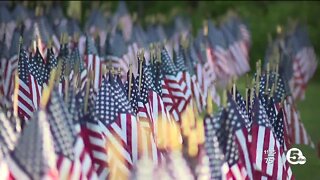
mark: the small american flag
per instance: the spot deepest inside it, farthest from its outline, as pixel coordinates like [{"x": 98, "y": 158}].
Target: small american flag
[
  {"x": 25, "y": 102},
  {"x": 177, "y": 89},
  {"x": 265, "y": 142},
  {"x": 34, "y": 157}
]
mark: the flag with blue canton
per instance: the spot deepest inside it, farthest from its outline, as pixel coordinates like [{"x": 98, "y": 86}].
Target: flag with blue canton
[
  {"x": 228, "y": 143},
  {"x": 38, "y": 68},
  {"x": 63, "y": 56},
  {"x": 167, "y": 64},
  {"x": 157, "y": 77},
  {"x": 189, "y": 61},
  {"x": 25, "y": 105},
  {"x": 61, "y": 125},
  {"x": 212, "y": 145},
  {"x": 261, "y": 130},
  {"x": 110, "y": 101},
  {"x": 8, "y": 136},
  {"x": 241, "y": 105},
  {"x": 180, "y": 60},
  {"x": 279, "y": 128},
  {"x": 33, "y": 157},
  {"x": 239, "y": 153},
  {"x": 90, "y": 46},
  {"x": 52, "y": 61},
  {"x": 146, "y": 81}
]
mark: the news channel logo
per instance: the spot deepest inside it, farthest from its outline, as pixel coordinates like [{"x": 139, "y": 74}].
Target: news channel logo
[{"x": 295, "y": 156}]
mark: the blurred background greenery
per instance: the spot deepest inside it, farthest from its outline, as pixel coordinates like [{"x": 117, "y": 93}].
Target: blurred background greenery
[{"x": 261, "y": 16}]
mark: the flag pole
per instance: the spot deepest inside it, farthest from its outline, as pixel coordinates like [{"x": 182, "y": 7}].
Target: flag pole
[
  {"x": 140, "y": 68},
  {"x": 67, "y": 73},
  {"x": 151, "y": 52},
  {"x": 258, "y": 65},
  {"x": 267, "y": 74},
  {"x": 119, "y": 71},
  {"x": 224, "y": 98},
  {"x": 16, "y": 87},
  {"x": 158, "y": 54},
  {"x": 130, "y": 80},
  {"x": 252, "y": 92},
  {"x": 86, "y": 98},
  {"x": 47, "y": 89},
  {"x": 234, "y": 88}
]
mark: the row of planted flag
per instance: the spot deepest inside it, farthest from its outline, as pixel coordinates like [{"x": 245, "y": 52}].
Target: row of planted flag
[
  {"x": 74, "y": 114},
  {"x": 298, "y": 61}
]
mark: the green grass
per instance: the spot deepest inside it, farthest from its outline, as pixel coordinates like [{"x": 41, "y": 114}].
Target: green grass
[{"x": 310, "y": 115}]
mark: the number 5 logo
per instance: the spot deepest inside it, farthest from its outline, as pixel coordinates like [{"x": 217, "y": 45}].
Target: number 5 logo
[{"x": 295, "y": 156}]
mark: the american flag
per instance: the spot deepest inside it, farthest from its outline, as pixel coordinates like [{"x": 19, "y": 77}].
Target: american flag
[
  {"x": 93, "y": 62},
  {"x": 116, "y": 53},
  {"x": 34, "y": 157},
  {"x": 63, "y": 57},
  {"x": 39, "y": 74},
  {"x": 297, "y": 131},
  {"x": 191, "y": 80},
  {"x": 8, "y": 136},
  {"x": 219, "y": 52},
  {"x": 175, "y": 87},
  {"x": 235, "y": 50},
  {"x": 236, "y": 143},
  {"x": 265, "y": 144},
  {"x": 79, "y": 63},
  {"x": 8, "y": 68},
  {"x": 63, "y": 133},
  {"x": 93, "y": 137},
  {"x": 212, "y": 146},
  {"x": 25, "y": 100},
  {"x": 119, "y": 127},
  {"x": 52, "y": 61},
  {"x": 73, "y": 159},
  {"x": 146, "y": 103},
  {"x": 304, "y": 61}
]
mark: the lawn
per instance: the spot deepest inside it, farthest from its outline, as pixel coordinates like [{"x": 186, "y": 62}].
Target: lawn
[{"x": 310, "y": 115}]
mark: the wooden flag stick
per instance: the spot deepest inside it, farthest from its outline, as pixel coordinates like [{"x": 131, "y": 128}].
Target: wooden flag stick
[
  {"x": 224, "y": 98},
  {"x": 234, "y": 88},
  {"x": 252, "y": 92},
  {"x": 267, "y": 74},
  {"x": 205, "y": 28},
  {"x": 159, "y": 54},
  {"x": 47, "y": 89},
  {"x": 66, "y": 89},
  {"x": 76, "y": 81},
  {"x": 119, "y": 71},
  {"x": 247, "y": 99},
  {"x": 16, "y": 87},
  {"x": 35, "y": 45},
  {"x": 258, "y": 65},
  {"x": 49, "y": 43},
  {"x": 140, "y": 68},
  {"x": 151, "y": 51},
  {"x": 130, "y": 80},
  {"x": 15, "y": 95},
  {"x": 86, "y": 98}
]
